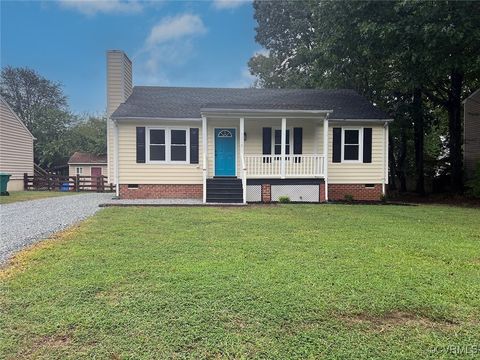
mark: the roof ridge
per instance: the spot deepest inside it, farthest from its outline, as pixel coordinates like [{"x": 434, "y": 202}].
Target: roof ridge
[{"x": 232, "y": 88}]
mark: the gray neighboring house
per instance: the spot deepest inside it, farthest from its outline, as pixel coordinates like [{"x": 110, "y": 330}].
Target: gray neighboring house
[{"x": 471, "y": 128}]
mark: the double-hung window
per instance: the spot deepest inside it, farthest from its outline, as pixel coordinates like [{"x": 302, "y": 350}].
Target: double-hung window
[
  {"x": 277, "y": 142},
  {"x": 169, "y": 145},
  {"x": 158, "y": 145},
  {"x": 351, "y": 148}
]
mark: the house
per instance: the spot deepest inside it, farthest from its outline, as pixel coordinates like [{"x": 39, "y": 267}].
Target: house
[
  {"x": 16, "y": 147},
  {"x": 242, "y": 145},
  {"x": 85, "y": 164},
  {"x": 471, "y": 128}
]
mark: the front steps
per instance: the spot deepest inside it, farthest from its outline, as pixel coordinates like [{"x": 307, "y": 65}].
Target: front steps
[{"x": 224, "y": 190}]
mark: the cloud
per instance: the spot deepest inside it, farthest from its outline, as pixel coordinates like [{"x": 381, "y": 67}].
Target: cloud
[
  {"x": 245, "y": 80},
  {"x": 229, "y": 4},
  {"x": 174, "y": 28},
  {"x": 93, "y": 7},
  {"x": 169, "y": 44}
]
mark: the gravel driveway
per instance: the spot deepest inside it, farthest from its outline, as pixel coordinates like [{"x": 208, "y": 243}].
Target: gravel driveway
[{"x": 24, "y": 223}]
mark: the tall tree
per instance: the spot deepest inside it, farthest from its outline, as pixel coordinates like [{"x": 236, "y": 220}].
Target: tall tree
[
  {"x": 388, "y": 51},
  {"x": 42, "y": 106}
]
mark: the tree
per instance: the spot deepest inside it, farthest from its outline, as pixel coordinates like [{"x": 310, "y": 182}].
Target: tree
[
  {"x": 29, "y": 94},
  {"x": 387, "y": 51},
  {"x": 89, "y": 134},
  {"x": 42, "y": 106}
]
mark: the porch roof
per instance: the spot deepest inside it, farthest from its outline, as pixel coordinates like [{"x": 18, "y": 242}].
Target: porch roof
[{"x": 182, "y": 103}]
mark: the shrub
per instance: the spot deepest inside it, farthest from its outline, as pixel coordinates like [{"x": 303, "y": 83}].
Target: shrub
[
  {"x": 474, "y": 184},
  {"x": 348, "y": 197},
  {"x": 284, "y": 199}
]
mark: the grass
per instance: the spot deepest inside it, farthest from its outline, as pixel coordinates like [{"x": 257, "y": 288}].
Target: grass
[
  {"x": 287, "y": 281},
  {"x": 16, "y": 196}
]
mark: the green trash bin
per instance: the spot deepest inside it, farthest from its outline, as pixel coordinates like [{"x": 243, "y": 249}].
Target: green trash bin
[{"x": 3, "y": 183}]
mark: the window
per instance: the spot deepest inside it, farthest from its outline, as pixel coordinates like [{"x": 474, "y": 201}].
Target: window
[
  {"x": 157, "y": 145},
  {"x": 178, "y": 145},
  {"x": 351, "y": 144},
  {"x": 277, "y": 142},
  {"x": 79, "y": 170},
  {"x": 168, "y": 145}
]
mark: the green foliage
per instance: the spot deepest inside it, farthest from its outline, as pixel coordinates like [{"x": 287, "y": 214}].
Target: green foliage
[
  {"x": 386, "y": 51},
  {"x": 474, "y": 184},
  {"x": 284, "y": 199},
  {"x": 89, "y": 134},
  {"x": 348, "y": 198},
  {"x": 296, "y": 282},
  {"x": 42, "y": 106}
]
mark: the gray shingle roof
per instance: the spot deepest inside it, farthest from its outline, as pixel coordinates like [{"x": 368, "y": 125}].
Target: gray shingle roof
[{"x": 184, "y": 102}]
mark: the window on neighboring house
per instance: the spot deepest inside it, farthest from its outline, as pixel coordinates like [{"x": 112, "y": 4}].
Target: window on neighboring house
[
  {"x": 168, "y": 145},
  {"x": 277, "y": 142},
  {"x": 351, "y": 144},
  {"x": 79, "y": 170}
]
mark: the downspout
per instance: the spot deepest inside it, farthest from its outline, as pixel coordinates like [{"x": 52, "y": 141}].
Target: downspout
[
  {"x": 385, "y": 157},
  {"x": 117, "y": 157}
]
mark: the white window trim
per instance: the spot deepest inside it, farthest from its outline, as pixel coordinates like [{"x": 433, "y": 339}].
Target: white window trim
[
  {"x": 79, "y": 170},
  {"x": 360, "y": 144},
  {"x": 290, "y": 144},
  {"x": 168, "y": 142}
]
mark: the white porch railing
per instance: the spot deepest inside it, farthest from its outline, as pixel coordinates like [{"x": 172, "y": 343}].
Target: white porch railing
[{"x": 295, "y": 165}]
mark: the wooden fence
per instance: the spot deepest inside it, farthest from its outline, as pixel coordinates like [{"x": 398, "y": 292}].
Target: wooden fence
[{"x": 66, "y": 183}]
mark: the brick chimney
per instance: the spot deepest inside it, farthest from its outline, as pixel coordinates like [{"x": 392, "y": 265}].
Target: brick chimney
[{"x": 119, "y": 88}]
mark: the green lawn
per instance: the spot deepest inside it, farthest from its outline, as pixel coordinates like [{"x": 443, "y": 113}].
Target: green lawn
[
  {"x": 31, "y": 195},
  {"x": 291, "y": 281}
]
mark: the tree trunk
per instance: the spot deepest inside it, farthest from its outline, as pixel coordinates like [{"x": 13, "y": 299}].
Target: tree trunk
[
  {"x": 402, "y": 178},
  {"x": 419, "y": 131},
  {"x": 455, "y": 130}
]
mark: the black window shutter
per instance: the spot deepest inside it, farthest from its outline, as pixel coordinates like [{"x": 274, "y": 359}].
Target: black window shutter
[
  {"x": 194, "y": 145},
  {"x": 337, "y": 145},
  {"x": 297, "y": 142},
  {"x": 367, "y": 145},
  {"x": 267, "y": 142},
  {"x": 140, "y": 145}
]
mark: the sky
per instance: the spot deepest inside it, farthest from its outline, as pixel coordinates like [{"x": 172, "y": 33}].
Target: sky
[{"x": 171, "y": 43}]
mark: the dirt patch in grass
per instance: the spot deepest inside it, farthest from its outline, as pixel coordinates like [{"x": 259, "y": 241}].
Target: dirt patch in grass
[
  {"x": 21, "y": 259},
  {"x": 396, "y": 319}
]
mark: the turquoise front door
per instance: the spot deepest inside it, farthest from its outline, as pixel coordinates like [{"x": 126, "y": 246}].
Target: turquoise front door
[{"x": 225, "y": 159}]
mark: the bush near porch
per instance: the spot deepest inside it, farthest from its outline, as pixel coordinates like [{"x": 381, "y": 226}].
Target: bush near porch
[{"x": 286, "y": 281}]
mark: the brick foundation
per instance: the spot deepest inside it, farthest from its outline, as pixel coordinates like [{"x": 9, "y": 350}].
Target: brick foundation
[
  {"x": 160, "y": 191},
  {"x": 321, "y": 193},
  {"x": 266, "y": 193},
  {"x": 358, "y": 191}
]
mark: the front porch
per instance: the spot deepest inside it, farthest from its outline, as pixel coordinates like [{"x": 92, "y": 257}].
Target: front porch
[{"x": 255, "y": 147}]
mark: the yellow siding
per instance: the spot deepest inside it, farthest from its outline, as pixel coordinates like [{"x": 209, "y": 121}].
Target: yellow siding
[
  {"x": 132, "y": 173},
  {"x": 253, "y": 129},
  {"x": 119, "y": 88},
  {"x": 16, "y": 144},
  {"x": 351, "y": 173},
  {"x": 359, "y": 173},
  {"x": 86, "y": 169}
]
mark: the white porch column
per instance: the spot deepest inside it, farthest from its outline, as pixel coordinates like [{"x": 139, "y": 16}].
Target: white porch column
[
  {"x": 242, "y": 159},
  {"x": 325, "y": 154},
  {"x": 283, "y": 146},
  {"x": 204, "y": 157}
]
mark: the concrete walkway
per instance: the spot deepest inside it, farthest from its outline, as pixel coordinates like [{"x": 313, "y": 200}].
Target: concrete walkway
[{"x": 24, "y": 223}]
